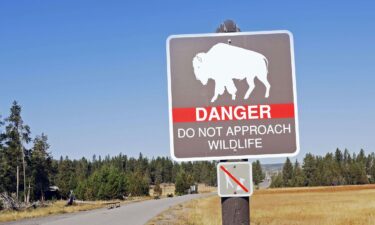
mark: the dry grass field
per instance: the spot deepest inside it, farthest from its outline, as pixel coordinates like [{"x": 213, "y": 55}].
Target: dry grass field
[
  {"x": 57, "y": 207},
  {"x": 170, "y": 188},
  {"x": 344, "y": 205}
]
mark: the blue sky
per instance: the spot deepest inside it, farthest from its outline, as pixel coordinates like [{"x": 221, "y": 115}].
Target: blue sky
[{"x": 92, "y": 74}]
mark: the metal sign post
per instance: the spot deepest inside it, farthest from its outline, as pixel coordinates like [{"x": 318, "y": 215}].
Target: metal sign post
[
  {"x": 234, "y": 210},
  {"x": 235, "y": 185}
]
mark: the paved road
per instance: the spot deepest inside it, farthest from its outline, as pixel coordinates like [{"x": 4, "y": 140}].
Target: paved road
[
  {"x": 266, "y": 182},
  {"x": 131, "y": 214}
]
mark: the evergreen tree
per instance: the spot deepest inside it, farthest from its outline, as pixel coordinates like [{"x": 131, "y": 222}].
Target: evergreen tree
[
  {"x": 330, "y": 173},
  {"x": 258, "y": 175},
  {"x": 65, "y": 177},
  {"x": 83, "y": 169},
  {"x": 372, "y": 171},
  {"x": 137, "y": 184},
  {"x": 277, "y": 181},
  {"x": 358, "y": 173},
  {"x": 298, "y": 179},
  {"x": 181, "y": 184},
  {"x": 287, "y": 173},
  {"x": 340, "y": 167},
  {"x": 115, "y": 187},
  {"x": 3, "y": 161},
  {"x": 41, "y": 164},
  {"x": 369, "y": 162},
  {"x": 361, "y": 158},
  {"x": 347, "y": 157},
  {"x": 167, "y": 168},
  {"x": 17, "y": 133},
  {"x": 339, "y": 156},
  {"x": 309, "y": 169}
]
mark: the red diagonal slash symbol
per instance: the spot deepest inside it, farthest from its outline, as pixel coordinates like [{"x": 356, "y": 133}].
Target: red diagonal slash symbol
[{"x": 233, "y": 178}]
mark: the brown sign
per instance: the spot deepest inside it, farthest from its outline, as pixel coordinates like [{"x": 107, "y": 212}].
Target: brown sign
[{"x": 232, "y": 96}]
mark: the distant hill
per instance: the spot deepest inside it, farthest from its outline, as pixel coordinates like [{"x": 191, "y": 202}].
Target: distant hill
[{"x": 272, "y": 168}]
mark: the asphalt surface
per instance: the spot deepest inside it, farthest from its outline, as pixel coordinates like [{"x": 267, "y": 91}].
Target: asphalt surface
[
  {"x": 266, "y": 182},
  {"x": 130, "y": 214}
]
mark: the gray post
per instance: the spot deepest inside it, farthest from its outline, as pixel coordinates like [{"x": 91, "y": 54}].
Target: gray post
[{"x": 234, "y": 211}]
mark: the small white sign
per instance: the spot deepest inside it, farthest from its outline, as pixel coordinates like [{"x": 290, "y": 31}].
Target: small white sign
[{"x": 234, "y": 179}]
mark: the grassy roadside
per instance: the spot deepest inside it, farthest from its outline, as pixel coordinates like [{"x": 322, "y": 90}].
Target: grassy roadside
[
  {"x": 59, "y": 207},
  {"x": 169, "y": 188},
  {"x": 344, "y": 205}
]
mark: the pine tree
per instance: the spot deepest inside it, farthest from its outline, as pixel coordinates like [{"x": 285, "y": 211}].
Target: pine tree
[
  {"x": 258, "y": 175},
  {"x": 65, "y": 176},
  {"x": 137, "y": 184},
  {"x": 287, "y": 173},
  {"x": 298, "y": 179},
  {"x": 158, "y": 173},
  {"x": 277, "y": 181},
  {"x": 41, "y": 164},
  {"x": 82, "y": 169},
  {"x": 339, "y": 156},
  {"x": 115, "y": 186},
  {"x": 309, "y": 169},
  {"x": 168, "y": 166},
  {"x": 330, "y": 173},
  {"x": 3, "y": 161},
  {"x": 181, "y": 184},
  {"x": 361, "y": 158},
  {"x": 372, "y": 170},
  {"x": 358, "y": 173},
  {"x": 369, "y": 163},
  {"x": 17, "y": 133}
]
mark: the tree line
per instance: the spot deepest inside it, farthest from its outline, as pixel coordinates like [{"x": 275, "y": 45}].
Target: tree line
[
  {"x": 28, "y": 170},
  {"x": 338, "y": 168},
  {"x": 29, "y": 173},
  {"x": 120, "y": 176}
]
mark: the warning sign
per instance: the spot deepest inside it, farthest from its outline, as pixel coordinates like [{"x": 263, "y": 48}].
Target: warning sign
[
  {"x": 232, "y": 96},
  {"x": 234, "y": 179}
]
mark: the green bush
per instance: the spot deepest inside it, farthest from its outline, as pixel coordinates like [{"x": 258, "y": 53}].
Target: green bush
[
  {"x": 183, "y": 182},
  {"x": 157, "y": 190}
]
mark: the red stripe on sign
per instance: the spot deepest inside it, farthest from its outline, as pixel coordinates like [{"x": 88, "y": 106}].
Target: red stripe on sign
[
  {"x": 227, "y": 113},
  {"x": 233, "y": 178},
  {"x": 183, "y": 115}
]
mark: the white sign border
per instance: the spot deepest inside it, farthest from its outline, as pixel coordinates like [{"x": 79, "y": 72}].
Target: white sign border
[
  {"x": 251, "y": 187},
  {"x": 210, "y": 158}
]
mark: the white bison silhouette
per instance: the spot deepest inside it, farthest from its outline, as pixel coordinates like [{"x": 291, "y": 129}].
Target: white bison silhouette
[{"x": 224, "y": 62}]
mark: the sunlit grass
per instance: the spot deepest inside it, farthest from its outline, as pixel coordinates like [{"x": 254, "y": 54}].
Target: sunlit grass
[
  {"x": 344, "y": 205},
  {"x": 57, "y": 207},
  {"x": 170, "y": 188}
]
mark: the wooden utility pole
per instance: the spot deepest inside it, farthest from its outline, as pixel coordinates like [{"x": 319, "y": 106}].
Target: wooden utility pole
[{"x": 234, "y": 210}]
